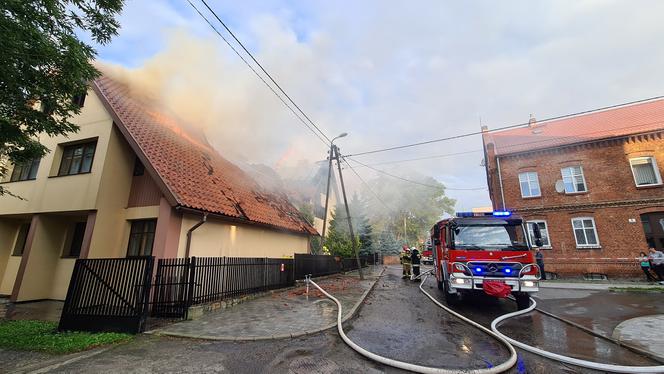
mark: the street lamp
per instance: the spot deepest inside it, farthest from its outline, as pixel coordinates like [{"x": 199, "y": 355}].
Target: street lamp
[{"x": 327, "y": 193}]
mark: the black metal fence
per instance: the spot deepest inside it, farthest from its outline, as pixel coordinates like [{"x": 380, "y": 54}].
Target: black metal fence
[
  {"x": 182, "y": 282},
  {"x": 108, "y": 295},
  {"x": 115, "y": 294},
  {"x": 321, "y": 265},
  {"x": 315, "y": 265}
]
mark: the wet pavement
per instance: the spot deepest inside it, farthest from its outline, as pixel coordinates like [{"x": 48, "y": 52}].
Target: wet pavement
[
  {"x": 588, "y": 308},
  {"x": 45, "y": 310},
  {"x": 281, "y": 314},
  {"x": 396, "y": 320}
]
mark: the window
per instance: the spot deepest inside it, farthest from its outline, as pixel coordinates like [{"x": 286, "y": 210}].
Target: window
[
  {"x": 573, "y": 179},
  {"x": 645, "y": 171},
  {"x": 25, "y": 171},
  {"x": 529, "y": 184},
  {"x": 585, "y": 232},
  {"x": 21, "y": 238},
  {"x": 141, "y": 237},
  {"x": 77, "y": 159},
  {"x": 79, "y": 100},
  {"x": 139, "y": 169},
  {"x": 77, "y": 234},
  {"x": 546, "y": 242}
]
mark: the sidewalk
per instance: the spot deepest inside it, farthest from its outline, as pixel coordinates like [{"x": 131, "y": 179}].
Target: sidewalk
[
  {"x": 597, "y": 286},
  {"x": 285, "y": 314}
]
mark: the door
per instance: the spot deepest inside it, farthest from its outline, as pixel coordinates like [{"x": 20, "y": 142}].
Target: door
[{"x": 653, "y": 226}]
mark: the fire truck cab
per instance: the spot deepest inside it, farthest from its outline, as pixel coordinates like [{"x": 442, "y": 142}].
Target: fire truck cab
[{"x": 473, "y": 248}]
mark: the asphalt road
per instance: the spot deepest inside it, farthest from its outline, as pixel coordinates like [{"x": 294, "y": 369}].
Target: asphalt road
[{"x": 397, "y": 321}]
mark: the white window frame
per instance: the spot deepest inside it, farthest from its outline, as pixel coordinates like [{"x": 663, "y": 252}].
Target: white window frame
[
  {"x": 546, "y": 229},
  {"x": 530, "y": 184},
  {"x": 583, "y": 177},
  {"x": 597, "y": 245},
  {"x": 654, "y": 166}
]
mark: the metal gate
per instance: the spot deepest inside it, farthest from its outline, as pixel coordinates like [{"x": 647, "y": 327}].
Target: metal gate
[{"x": 108, "y": 295}]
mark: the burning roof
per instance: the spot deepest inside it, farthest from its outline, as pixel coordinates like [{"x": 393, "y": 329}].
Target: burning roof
[{"x": 189, "y": 171}]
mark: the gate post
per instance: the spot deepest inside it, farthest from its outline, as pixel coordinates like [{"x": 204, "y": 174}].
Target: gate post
[{"x": 192, "y": 279}]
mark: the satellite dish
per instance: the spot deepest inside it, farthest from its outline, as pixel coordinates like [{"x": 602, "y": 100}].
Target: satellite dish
[{"x": 560, "y": 186}]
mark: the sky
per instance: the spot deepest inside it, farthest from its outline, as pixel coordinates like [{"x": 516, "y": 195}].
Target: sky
[{"x": 391, "y": 73}]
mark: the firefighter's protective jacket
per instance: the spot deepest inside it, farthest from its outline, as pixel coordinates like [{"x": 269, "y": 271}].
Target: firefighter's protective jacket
[
  {"x": 415, "y": 256},
  {"x": 405, "y": 258}
]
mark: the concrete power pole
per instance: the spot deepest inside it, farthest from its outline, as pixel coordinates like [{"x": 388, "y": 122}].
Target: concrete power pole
[{"x": 350, "y": 224}]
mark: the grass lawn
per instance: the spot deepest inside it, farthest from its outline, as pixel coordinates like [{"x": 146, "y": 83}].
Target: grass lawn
[{"x": 44, "y": 337}]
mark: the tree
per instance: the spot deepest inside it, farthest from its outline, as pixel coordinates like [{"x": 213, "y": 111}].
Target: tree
[
  {"x": 366, "y": 240},
  {"x": 338, "y": 238},
  {"x": 420, "y": 205},
  {"x": 43, "y": 65},
  {"x": 387, "y": 244}
]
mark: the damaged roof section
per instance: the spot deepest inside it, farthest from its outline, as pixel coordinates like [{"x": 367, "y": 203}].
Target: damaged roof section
[{"x": 191, "y": 172}]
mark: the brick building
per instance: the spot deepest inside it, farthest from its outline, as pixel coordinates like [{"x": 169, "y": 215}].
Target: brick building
[{"x": 593, "y": 183}]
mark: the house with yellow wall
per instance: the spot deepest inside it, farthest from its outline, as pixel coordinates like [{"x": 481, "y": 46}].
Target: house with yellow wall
[{"x": 135, "y": 180}]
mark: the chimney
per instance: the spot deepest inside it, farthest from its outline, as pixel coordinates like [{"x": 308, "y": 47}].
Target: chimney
[
  {"x": 532, "y": 122},
  {"x": 485, "y": 128}
]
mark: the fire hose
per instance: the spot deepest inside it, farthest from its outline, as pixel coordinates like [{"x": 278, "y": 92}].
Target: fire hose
[
  {"x": 508, "y": 342},
  {"x": 419, "y": 368},
  {"x": 566, "y": 359}
]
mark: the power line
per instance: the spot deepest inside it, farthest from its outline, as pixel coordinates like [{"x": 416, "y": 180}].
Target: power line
[
  {"x": 258, "y": 75},
  {"x": 264, "y": 71},
  {"x": 423, "y": 158},
  {"x": 412, "y": 181},
  {"x": 367, "y": 185},
  {"x": 504, "y": 127}
]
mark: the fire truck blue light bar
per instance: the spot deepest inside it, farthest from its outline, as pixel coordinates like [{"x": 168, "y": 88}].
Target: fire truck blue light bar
[{"x": 501, "y": 213}]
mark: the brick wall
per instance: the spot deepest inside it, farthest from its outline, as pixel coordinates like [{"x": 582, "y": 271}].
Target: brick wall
[{"x": 612, "y": 199}]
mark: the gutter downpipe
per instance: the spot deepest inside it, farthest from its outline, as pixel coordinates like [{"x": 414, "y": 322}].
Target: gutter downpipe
[
  {"x": 500, "y": 181},
  {"x": 190, "y": 231}
]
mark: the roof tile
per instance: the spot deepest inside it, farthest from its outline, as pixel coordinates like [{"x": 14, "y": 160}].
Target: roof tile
[
  {"x": 197, "y": 176},
  {"x": 622, "y": 121}
]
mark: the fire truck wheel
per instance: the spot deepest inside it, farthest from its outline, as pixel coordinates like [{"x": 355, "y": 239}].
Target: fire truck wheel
[
  {"x": 522, "y": 300},
  {"x": 451, "y": 298},
  {"x": 441, "y": 286}
]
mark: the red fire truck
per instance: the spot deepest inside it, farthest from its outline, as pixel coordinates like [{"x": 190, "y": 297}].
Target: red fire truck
[{"x": 477, "y": 251}]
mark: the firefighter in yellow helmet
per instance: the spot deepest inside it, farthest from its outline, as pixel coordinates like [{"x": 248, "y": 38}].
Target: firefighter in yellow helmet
[{"x": 406, "y": 262}]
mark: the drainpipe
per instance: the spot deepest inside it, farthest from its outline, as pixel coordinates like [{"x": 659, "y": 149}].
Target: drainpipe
[
  {"x": 191, "y": 230},
  {"x": 500, "y": 181}
]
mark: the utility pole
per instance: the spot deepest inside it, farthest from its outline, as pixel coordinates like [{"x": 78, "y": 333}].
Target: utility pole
[
  {"x": 350, "y": 224},
  {"x": 405, "y": 232},
  {"x": 327, "y": 193}
]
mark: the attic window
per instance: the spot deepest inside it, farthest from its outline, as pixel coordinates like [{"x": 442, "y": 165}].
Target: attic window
[{"x": 139, "y": 169}]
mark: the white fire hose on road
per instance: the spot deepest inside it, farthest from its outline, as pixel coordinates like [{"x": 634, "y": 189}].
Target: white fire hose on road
[
  {"x": 566, "y": 359},
  {"x": 503, "y": 339},
  {"x": 425, "y": 369}
]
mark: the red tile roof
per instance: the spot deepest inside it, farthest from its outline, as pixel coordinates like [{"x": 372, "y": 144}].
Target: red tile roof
[
  {"x": 194, "y": 174},
  {"x": 617, "y": 122}
]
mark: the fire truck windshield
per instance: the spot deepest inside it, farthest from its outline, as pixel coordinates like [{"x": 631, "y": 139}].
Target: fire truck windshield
[{"x": 490, "y": 237}]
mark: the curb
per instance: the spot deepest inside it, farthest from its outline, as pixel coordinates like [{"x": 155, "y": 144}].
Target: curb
[
  {"x": 348, "y": 316},
  {"x": 628, "y": 346}
]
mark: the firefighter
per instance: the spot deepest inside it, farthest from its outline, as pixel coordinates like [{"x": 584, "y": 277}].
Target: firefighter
[
  {"x": 415, "y": 258},
  {"x": 405, "y": 262}
]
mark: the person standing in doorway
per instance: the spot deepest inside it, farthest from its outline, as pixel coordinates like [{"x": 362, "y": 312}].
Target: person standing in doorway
[
  {"x": 644, "y": 261},
  {"x": 539, "y": 258},
  {"x": 657, "y": 259}
]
